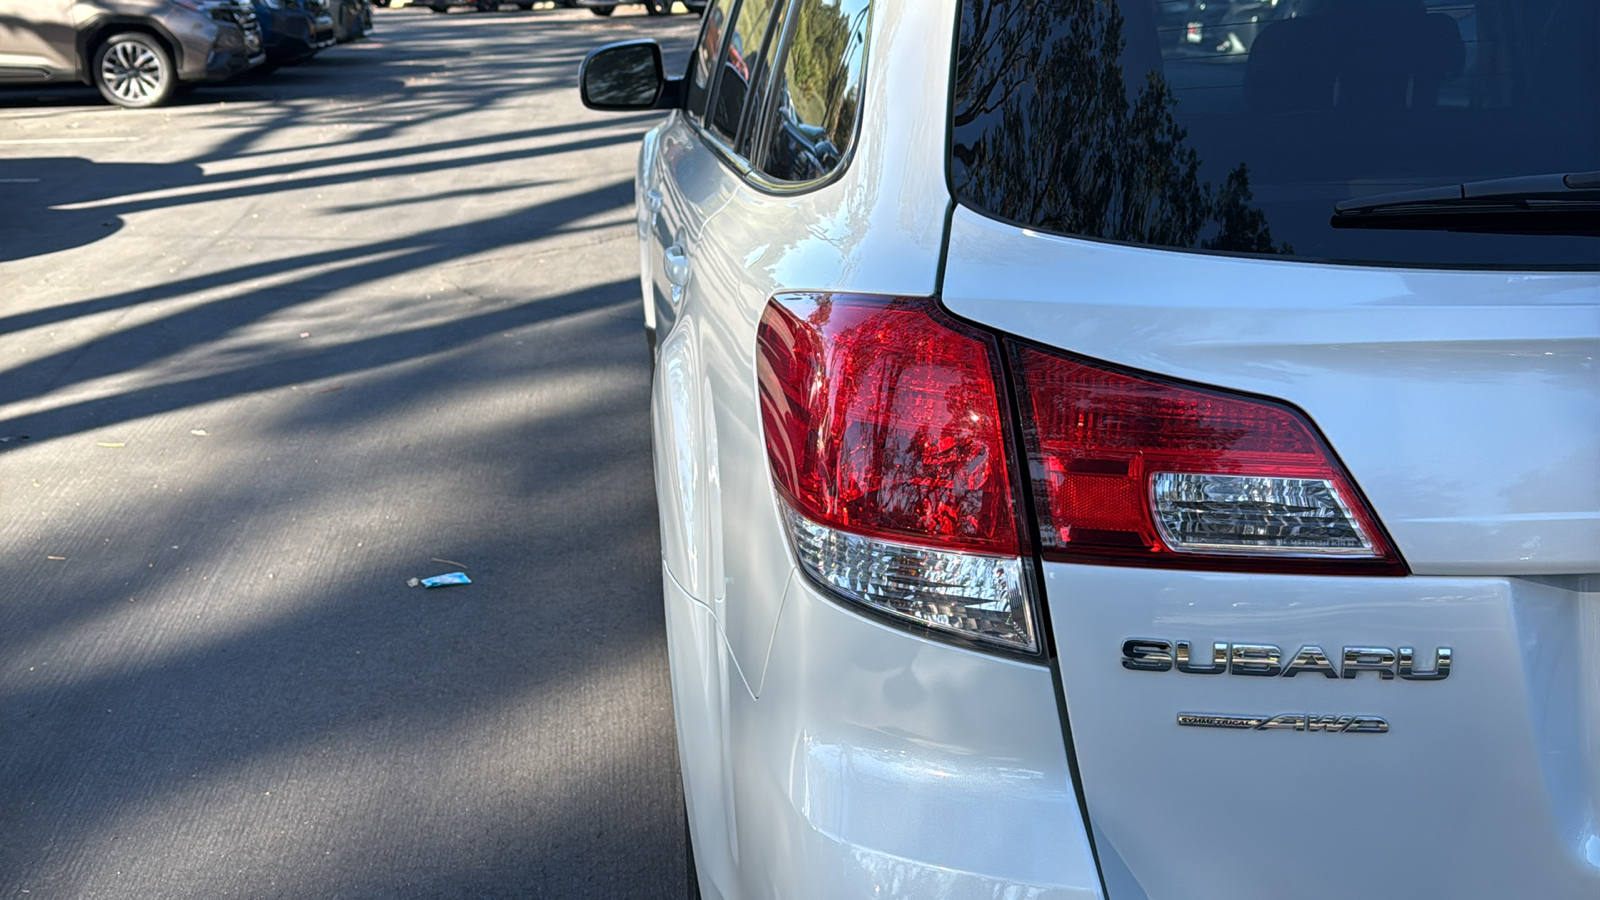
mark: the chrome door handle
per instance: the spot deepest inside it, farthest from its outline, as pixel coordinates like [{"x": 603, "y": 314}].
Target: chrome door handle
[{"x": 677, "y": 265}]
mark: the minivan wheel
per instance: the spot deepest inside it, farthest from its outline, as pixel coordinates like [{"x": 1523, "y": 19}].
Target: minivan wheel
[
  {"x": 602, "y": 10},
  {"x": 133, "y": 69}
]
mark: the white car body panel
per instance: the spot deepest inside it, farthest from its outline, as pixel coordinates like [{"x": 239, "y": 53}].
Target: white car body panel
[
  {"x": 878, "y": 229},
  {"x": 1487, "y": 784},
  {"x": 839, "y": 811},
  {"x": 875, "y": 764},
  {"x": 1466, "y": 404},
  {"x": 828, "y": 755}
]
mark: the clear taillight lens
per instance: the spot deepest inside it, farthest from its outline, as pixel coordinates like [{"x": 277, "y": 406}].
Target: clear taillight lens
[
  {"x": 967, "y": 594},
  {"x": 1134, "y": 469},
  {"x": 887, "y": 438}
]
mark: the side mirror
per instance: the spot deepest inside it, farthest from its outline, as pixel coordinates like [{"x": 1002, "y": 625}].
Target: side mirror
[{"x": 628, "y": 76}]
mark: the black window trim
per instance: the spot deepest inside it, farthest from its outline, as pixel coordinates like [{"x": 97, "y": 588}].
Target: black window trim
[
  {"x": 772, "y": 45},
  {"x": 712, "y": 80},
  {"x": 712, "y": 139},
  {"x": 757, "y": 123}
]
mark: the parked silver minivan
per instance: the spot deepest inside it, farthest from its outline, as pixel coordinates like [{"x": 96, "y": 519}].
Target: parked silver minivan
[{"x": 137, "y": 52}]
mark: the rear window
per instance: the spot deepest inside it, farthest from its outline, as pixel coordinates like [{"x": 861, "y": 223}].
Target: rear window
[{"x": 1236, "y": 126}]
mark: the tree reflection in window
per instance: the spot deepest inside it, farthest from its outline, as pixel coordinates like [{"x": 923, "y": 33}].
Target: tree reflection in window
[
  {"x": 1112, "y": 163},
  {"x": 819, "y": 93}
]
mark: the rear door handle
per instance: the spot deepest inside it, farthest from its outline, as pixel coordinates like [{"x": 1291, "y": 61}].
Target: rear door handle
[{"x": 677, "y": 265}]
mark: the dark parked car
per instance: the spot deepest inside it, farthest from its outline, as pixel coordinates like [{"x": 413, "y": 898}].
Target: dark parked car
[
  {"x": 352, "y": 19},
  {"x": 598, "y": 7},
  {"x": 294, "y": 30},
  {"x": 653, "y": 7}
]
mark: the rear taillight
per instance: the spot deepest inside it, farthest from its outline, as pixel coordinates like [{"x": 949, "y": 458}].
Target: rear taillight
[
  {"x": 889, "y": 445},
  {"x": 1134, "y": 469},
  {"x": 889, "y": 439}
]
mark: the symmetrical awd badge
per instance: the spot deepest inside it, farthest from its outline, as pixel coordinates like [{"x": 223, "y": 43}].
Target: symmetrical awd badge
[{"x": 1289, "y": 722}]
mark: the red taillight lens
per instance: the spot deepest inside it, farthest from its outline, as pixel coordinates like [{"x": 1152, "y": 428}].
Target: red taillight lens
[
  {"x": 883, "y": 418},
  {"x": 1133, "y": 469},
  {"x": 888, "y": 444},
  {"x": 887, "y": 433}
]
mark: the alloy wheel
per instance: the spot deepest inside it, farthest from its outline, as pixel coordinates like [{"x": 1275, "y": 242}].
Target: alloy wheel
[{"x": 134, "y": 71}]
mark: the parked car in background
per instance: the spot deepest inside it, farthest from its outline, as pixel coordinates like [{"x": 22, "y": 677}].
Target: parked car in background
[
  {"x": 1229, "y": 27},
  {"x": 136, "y": 52},
  {"x": 443, "y": 6},
  {"x": 653, "y": 7},
  {"x": 294, "y": 30},
  {"x": 598, "y": 7},
  {"x": 1084, "y": 464},
  {"x": 352, "y": 19}
]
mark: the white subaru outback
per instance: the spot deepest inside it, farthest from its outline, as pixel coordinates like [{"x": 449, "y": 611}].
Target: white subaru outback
[{"x": 1132, "y": 450}]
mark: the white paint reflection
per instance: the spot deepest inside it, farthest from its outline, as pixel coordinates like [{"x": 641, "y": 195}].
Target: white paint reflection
[{"x": 926, "y": 822}]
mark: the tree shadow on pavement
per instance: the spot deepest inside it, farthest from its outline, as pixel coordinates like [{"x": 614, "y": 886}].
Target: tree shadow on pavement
[
  {"x": 524, "y": 695},
  {"x": 132, "y": 347},
  {"x": 214, "y": 680},
  {"x": 36, "y": 194}
]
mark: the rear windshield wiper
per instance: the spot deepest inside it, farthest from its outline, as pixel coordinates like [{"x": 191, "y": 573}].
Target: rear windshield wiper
[{"x": 1528, "y": 204}]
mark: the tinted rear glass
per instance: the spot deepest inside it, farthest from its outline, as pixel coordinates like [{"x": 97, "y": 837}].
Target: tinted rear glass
[{"x": 1236, "y": 126}]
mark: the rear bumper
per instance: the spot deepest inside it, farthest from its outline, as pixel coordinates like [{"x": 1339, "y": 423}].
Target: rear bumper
[{"x": 874, "y": 764}]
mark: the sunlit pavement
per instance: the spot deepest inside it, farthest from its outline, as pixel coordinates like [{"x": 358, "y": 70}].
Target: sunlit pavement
[{"x": 264, "y": 356}]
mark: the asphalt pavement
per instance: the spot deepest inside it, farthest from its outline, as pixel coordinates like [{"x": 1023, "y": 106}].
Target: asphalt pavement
[{"x": 269, "y": 353}]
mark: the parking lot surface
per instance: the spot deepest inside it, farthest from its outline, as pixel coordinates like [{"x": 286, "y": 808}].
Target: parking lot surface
[{"x": 269, "y": 353}]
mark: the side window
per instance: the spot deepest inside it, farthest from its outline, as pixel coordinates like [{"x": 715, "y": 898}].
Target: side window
[
  {"x": 705, "y": 55},
  {"x": 818, "y": 90},
  {"x": 741, "y": 64}
]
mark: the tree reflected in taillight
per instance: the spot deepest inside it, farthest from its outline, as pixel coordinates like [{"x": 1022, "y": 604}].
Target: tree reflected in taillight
[
  {"x": 1134, "y": 469},
  {"x": 888, "y": 440}
]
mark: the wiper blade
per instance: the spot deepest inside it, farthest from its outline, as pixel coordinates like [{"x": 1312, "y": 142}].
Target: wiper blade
[{"x": 1527, "y": 204}]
